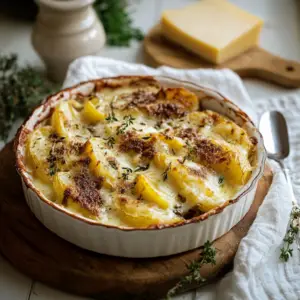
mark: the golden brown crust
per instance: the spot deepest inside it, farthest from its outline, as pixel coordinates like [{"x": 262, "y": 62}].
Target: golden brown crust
[
  {"x": 209, "y": 152},
  {"x": 85, "y": 192},
  {"x": 131, "y": 142},
  {"x": 166, "y": 110}
]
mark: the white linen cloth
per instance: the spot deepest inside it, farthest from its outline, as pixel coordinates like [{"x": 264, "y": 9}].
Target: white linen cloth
[{"x": 258, "y": 273}]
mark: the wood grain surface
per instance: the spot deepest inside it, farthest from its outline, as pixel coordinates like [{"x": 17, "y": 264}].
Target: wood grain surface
[
  {"x": 42, "y": 255},
  {"x": 256, "y": 62}
]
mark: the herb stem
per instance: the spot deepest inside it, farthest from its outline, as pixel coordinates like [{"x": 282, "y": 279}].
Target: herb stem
[{"x": 291, "y": 235}]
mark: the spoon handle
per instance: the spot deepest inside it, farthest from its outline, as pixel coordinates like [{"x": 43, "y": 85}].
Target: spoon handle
[
  {"x": 294, "y": 221},
  {"x": 286, "y": 173}
]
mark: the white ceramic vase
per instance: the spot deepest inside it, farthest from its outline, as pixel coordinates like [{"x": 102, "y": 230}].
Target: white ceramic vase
[{"x": 64, "y": 31}]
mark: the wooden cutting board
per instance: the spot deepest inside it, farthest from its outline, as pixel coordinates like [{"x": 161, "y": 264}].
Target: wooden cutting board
[
  {"x": 42, "y": 255},
  {"x": 256, "y": 62}
]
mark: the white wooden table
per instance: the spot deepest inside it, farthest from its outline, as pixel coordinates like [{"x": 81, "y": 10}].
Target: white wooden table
[{"x": 281, "y": 35}]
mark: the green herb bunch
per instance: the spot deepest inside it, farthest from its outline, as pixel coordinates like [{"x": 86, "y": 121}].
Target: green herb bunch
[
  {"x": 291, "y": 235},
  {"x": 208, "y": 256},
  {"x": 21, "y": 89},
  {"x": 117, "y": 22}
]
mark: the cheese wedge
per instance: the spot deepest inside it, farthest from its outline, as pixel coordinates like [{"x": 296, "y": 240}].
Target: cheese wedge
[{"x": 216, "y": 30}]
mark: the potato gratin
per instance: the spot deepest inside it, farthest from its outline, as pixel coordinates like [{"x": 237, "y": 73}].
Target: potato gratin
[{"x": 135, "y": 154}]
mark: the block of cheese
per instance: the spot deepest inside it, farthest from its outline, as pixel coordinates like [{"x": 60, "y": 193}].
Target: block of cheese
[{"x": 216, "y": 30}]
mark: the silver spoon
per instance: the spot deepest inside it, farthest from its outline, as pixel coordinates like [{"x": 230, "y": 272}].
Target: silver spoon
[{"x": 274, "y": 130}]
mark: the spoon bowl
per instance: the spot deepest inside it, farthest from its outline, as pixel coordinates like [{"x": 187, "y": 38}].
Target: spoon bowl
[{"x": 274, "y": 130}]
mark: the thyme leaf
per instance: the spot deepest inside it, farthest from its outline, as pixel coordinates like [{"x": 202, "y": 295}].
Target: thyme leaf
[
  {"x": 110, "y": 141},
  {"x": 221, "y": 180},
  {"x": 111, "y": 117},
  {"x": 142, "y": 168},
  {"x": 126, "y": 173},
  {"x": 165, "y": 173}
]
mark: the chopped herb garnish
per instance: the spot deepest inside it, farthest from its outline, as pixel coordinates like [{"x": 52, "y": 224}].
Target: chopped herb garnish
[
  {"x": 191, "y": 151},
  {"x": 126, "y": 173},
  {"x": 165, "y": 173},
  {"x": 142, "y": 168},
  {"x": 110, "y": 141},
  {"x": 158, "y": 124},
  {"x": 291, "y": 235},
  {"x": 221, "y": 180},
  {"x": 128, "y": 120},
  {"x": 146, "y": 137},
  {"x": 52, "y": 169},
  {"x": 111, "y": 117}
]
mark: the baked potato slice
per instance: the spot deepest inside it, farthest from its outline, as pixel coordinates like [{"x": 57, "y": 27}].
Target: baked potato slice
[
  {"x": 224, "y": 159},
  {"x": 38, "y": 149},
  {"x": 63, "y": 116},
  {"x": 137, "y": 213},
  {"x": 190, "y": 186},
  {"x": 65, "y": 192},
  {"x": 145, "y": 189},
  {"x": 90, "y": 112},
  {"x": 99, "y": 163}
]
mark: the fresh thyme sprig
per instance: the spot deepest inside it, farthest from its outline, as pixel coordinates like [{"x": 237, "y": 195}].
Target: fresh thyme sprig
[
  {"x": 117, "y": 22},
  {"x": 208, "y": 256},
  {"x": 291, "y": 235},
  {"x": 21, "y": 89},
  {"x": 128, "y": 120}
]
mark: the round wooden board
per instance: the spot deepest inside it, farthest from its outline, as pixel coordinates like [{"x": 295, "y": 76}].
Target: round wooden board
[
  {"x": 42, "y": 255},
  {"x": 256, "y": 62}
]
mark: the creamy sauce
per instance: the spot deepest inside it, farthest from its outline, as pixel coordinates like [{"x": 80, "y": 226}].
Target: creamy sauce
[{"x": 137, "y": 156}]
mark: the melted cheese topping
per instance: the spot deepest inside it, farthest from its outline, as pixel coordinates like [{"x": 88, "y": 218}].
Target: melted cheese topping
[{"x": 138, "y": 155}]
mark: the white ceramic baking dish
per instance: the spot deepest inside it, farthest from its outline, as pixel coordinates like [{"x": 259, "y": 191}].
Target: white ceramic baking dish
[{"x": 141, "y": 242}]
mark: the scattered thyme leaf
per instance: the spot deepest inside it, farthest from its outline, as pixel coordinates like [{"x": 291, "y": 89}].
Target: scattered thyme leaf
[
  {"x": 158, "y": 124},
  {"x": 110, "y": 141},
  {"x": 165, "y": 173},
  {"x": 111, "y": 117},
  {"x": 128, "y": 120},
  {"x": 291, "y": 235},
  {"x": 126, "y": 173},
  {"x": 221, "y": 180},
  {"x": 142, "y": 168}
]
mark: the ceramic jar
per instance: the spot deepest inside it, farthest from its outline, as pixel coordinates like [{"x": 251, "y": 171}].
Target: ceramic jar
[{"x": 64, "y": 31}]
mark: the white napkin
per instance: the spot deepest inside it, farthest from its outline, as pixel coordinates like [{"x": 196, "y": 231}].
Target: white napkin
[{"x": 257, "y": 273}]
